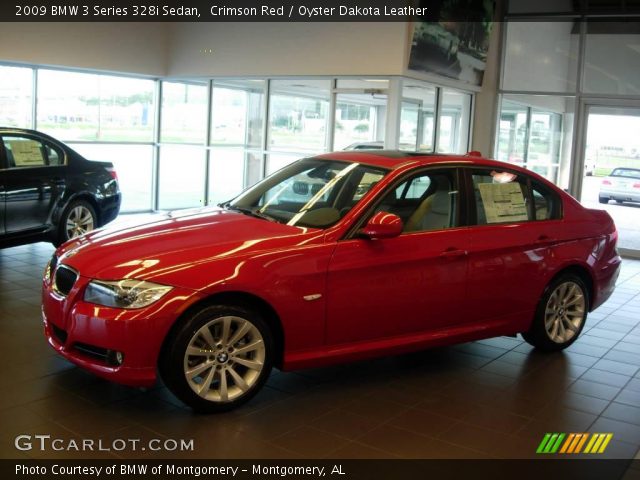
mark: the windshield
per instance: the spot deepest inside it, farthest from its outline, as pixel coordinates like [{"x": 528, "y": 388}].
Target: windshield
[{"x": 309, "y": 193}]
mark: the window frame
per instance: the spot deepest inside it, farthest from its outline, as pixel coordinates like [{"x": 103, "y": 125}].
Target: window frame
[{"x": 460, "y": 214}]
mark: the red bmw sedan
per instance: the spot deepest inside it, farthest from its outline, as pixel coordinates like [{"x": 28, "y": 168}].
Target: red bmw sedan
[{"x": 335, "y": 258}]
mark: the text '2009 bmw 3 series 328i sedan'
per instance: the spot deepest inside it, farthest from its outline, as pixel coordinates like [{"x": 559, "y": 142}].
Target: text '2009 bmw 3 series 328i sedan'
[{"x": 335, "y": 258}]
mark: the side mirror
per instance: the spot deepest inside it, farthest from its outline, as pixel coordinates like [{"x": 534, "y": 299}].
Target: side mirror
[{"x": 382, "y": 225}]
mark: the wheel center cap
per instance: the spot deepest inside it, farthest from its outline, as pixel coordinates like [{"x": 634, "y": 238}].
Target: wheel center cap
[
  {"x": 561, "y": 311},
  {"x": 222, "y": 357}
]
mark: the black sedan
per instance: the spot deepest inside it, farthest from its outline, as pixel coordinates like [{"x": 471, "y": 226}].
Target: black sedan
[{"x": 50, "y": 192}]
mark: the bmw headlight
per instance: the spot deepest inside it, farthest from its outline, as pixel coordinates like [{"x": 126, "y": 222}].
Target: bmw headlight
[{"x": 127, "y": 293}]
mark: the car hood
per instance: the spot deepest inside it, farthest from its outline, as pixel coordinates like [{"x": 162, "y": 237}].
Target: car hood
[{"x": 174, "y": 241}]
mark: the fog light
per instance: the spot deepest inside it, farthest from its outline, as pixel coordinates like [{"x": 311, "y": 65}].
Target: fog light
[{"x": 115, "y": 358}]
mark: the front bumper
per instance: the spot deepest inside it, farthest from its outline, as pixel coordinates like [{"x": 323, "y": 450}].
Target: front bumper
[{"x": 87, "y": 334}]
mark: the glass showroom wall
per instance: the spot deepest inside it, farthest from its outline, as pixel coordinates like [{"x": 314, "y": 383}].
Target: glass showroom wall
[
  {"x": 570, "y": 97},
  {"x": 104, "y": 118},
  {"x": 237, "y": 137},
  {"x": 536, "y": 130},
  {"x": 455, "y": 114},
  {"x": 360, "y": 114},
  {"x": 298, "y": 120},
  {"x": 417, "y": 117},
  {"x": 182, "y": 152},
  {"x": 188, "y": 143},
  {"x": 16, "y": 96}
]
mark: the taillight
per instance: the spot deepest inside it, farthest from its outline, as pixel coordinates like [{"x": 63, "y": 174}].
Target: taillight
[
  {"x": 112, "y": 172},
  {"x": 636, "y": 185},
  {"x": 606, "y": 182}
]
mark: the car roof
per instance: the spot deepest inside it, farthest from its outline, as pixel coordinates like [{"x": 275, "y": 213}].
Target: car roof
[
  {"x": 27, "y": 131},
  {"x": 394, "y": 159},
  {"x": 17, "y": 129}
]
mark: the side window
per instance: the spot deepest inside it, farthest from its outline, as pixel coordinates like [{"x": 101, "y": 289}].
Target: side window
[
  {"x": 26, "y": 152},
  {"x": 424, "y": 202},
  {"x": 500, "y": 197},
  {"x": 546, "y": 203}
]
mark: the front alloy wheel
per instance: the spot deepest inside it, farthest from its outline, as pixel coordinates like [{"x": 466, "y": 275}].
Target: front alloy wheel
[
  {"x": 561, "y": 314},
  {"x": 218, "y": 358},
  {"x": 224, "y": 359}
]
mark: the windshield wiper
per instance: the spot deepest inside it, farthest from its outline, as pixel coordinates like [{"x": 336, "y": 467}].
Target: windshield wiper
[{"x": 252, "y": 212}]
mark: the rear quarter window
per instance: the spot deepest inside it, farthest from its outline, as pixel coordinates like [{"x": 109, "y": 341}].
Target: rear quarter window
[{"x": 547, "y": 204}]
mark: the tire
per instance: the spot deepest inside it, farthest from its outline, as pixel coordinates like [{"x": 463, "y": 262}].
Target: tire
[
  {"x": 77, "y": 219},
  {"x": 603, "y": 199},
  {"x": 619, "y": 202},
  {"x": 196, "y": 354},
  {"x": 561, "y": 314}
]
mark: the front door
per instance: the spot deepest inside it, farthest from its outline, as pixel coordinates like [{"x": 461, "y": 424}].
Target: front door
[{"x": 412, "y": 283}]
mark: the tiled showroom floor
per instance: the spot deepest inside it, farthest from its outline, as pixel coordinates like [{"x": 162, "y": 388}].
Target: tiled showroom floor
[{"x": 494, "y": 398}]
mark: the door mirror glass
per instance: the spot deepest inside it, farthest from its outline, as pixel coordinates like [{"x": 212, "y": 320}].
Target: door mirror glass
[{"x": 382, "y": 225}]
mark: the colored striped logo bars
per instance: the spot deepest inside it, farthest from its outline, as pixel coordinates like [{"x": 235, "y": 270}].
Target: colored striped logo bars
[{"x": 574, "y": 443}]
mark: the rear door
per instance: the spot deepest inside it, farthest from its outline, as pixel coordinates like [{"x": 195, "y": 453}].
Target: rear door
[
  {"x": 511, "y": 240},
  {"x": 34, "y": 181}
]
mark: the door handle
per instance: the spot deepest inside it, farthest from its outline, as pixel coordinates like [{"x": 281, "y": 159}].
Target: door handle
[
  {"x": 544, "y": 239},
  {"x": 453, "y": 252}
]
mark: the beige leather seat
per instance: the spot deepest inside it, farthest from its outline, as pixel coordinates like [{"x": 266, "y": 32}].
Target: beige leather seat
[{"x": 434, "y": 212}]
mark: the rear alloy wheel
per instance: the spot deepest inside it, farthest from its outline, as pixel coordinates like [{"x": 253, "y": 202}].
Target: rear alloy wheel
[
  {"x": 561, "y": 314},
  {"x": 218, "y": 359},
  {"x": 78, "y": 218}
]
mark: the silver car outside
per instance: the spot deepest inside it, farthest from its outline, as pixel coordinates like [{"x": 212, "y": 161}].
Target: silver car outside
[{"x": 621, "y": 185}]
